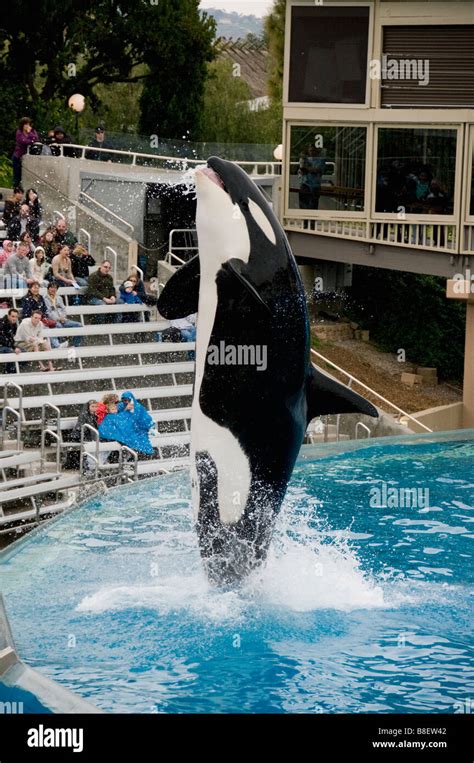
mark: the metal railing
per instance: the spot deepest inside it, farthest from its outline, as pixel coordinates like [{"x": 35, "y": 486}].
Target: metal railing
[
  {"x": 125, "y": 449},
  {"x": 56, "y": 437},
  {"x": 8, "y": 409},
  {"x": 17, "y": 413},
  {"x": 354, "y": 380},
  {"x": 114, "y": 258},
  {"x": 92, "y": 456},
  {"x": 80, "y": 233},
  {"x": 254, "y": 168},
  {"x": 361, "y": 426},
  {"x": 107, "y": 210}
]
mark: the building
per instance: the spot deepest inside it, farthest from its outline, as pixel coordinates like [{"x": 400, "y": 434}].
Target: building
[{"x": 378, "y": 140}]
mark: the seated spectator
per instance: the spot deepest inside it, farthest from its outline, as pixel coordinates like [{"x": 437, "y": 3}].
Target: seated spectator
[
  {"x": 8, "y": 327},
  {"x": 99, "y": 141},
  {"x": 56, "y": 311},
  {"x": 33, "y": 302},
  {"x": 39, "y": 266},
  {"x": 29, "y": 338},
  {"x": 48, "y": 242},
  {"x": 21, "y": 223},
  {"x": 130, "y": 297},
  {"x": 61, "y": 268},
  {"x": 100, "y": 287},
  {"x": 139, "y": 289},
  {"x": 26, "y": 239},
  {"x": 129, "y": 426},
  {"x": 6, "y": 250},
  {"x": 81, "y": 261},
  {"x": 187, "y": 327},
  {"x": 25, "y": 136},
  {"x": 31, "y": 198},
  {"x": 86, "y": 416},
  {"x": 63, "y": 235},
  {"x": 12, "y": 205},
  {"x": 17, "y": 269}
]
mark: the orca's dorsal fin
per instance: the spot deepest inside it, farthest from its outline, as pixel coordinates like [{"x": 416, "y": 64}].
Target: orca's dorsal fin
[
  {"x": 180, "y": 296},
  {"x": 325, "y": 395}
]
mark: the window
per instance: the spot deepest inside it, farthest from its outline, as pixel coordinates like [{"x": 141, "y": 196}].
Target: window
[
  {"x": 415, "y": 170},
  {"x": 327, "y": 168},
  {"x": 328, "y": 54}
]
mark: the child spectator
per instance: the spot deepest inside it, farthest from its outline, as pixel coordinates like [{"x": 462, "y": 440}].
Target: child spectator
[{"x": 6, "y": 250}]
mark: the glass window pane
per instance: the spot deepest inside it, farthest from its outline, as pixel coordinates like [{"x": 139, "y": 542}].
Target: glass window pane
[
  {"x": 327, "y": 168},
  {"x": 416, "y": 170},
  {"x": 328, "y": 54}
]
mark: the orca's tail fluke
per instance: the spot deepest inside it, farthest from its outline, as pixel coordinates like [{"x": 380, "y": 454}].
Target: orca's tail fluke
[{"x": 325, "y": 395}]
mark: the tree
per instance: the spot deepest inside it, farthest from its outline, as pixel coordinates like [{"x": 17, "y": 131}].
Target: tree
[
  {"x": 176, "y": 52},
  {"x": 52, "y": 49},
  {"x": 275, "y": 35}
]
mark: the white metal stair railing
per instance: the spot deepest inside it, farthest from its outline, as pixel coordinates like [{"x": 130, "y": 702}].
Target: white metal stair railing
[
  {"x": 16, "y": 412},
  {"x": 353, "y": 380}
]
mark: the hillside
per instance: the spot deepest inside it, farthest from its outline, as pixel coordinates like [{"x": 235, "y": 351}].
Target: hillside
[{"x": 235, "y": 25}]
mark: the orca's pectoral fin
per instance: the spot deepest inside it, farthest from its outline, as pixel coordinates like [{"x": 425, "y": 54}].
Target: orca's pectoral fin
[
  {"x": 180, "y": 296},
  {"x": 325, "y": 395},
  {"x": 233, "y": 267}
]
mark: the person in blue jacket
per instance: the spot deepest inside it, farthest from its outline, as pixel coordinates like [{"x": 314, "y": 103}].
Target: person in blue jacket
[{"x": 129, "y": 426}]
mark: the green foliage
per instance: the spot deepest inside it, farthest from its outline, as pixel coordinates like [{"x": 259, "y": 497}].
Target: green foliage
[
  {"x": 226, "y": 117},
  {"x": 411, "y": 312},
  {"x": 176, "y": 50},
  {"x": 6, "y": 172},
  {"x": 275, "y": 35}
]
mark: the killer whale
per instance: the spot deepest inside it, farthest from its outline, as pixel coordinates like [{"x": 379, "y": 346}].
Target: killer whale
[{"x": 248, "y": 422}]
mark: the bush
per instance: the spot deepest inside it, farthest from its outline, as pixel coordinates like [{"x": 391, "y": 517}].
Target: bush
[{"x": 411, "y": 312}]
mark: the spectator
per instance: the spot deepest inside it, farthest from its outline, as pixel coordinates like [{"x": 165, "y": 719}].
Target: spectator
[
  {"x": 12, "y": 205},
  {"x": 100, "y": 287},
  {"x": 21, "y": 223},
  {"x": 26, "y": 239},
  {"x": 56, "y": 311},
  {"x": 17, "y": 269},
  {"x": 39, "y": 266},
  {"x": 8, "y": 327},
  {"x": 31, "y": 198},
  {"x": 311, "y": 169},
  {"x": 87, "y": 415},
  {"x": 6, "y": 250},
  {"x": 129, "y": 426},
  {"x": 81, "y": 260},
  {"x": 99, "y": 141},
  {"x": 49, "y": 244},
  {"x": 29, "y": 338},
  {"x": 61, "y": 267},
  {"x": 63, "y": 234},
  {"x": 33, "y": 302},
  {"x": 139, "y": 289},
  {"x": 25, "y": 136},
  {"x": 59, "y": 138},
  {"x": 187, "y": 327},
  {"x": 130, "y": 297}
]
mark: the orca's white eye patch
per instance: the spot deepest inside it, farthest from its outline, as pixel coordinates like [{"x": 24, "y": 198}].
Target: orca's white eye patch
[{"x": 262, "y": 221}]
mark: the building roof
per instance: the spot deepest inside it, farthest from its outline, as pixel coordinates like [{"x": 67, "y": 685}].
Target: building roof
[{"x": 252, "y": 58}]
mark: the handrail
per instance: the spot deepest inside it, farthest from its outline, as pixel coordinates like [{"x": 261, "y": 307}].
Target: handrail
[
  {"x": 95, "y": 457},
  {"x": 55, "y": 436},
  {"x": 18, "y": 425},
  {"x": 88, "y": 236},
  {"x": 10, "y": 383},
  {"x": 45, "y": 428},
  {"x": 125, "y": 448},
  {"x": 114, "y": 256},
  {"x": 180, "y": 230},
  {"x": 109, "y": 211},
  {"x": 139, "y": 155},
  {"x": 372, "y": 391},
  {"x": 139, "y": 271},
  {"x": 362, "y": 426},
  {"x": 58, "y": 213},
  {"x": 170, "y": 255}
]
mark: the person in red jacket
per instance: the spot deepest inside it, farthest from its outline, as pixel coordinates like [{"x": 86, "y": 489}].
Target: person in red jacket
[{"x": 25, "y": 136}]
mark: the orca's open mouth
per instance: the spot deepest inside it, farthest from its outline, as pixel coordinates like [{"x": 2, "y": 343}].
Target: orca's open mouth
[{"x": 213, "y": 175}]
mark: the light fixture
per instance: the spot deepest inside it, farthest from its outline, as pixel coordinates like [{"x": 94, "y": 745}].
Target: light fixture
[
  {"x": 278, "y": 153},
  {"x": 77, "y": 102}
]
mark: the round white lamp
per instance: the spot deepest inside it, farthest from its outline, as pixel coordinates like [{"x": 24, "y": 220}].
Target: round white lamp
[
  {"x": 77, "y": 102},
  {"x": 278, "y": 153}
]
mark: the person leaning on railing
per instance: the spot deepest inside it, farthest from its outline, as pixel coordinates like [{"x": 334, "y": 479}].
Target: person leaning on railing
[{"x": 25, "y": 136}]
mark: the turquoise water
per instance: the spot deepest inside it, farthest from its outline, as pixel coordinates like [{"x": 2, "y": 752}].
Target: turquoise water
[{"x": 362, "y": 607}]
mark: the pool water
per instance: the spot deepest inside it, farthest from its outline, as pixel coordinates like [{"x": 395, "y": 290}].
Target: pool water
[{"x": 364, "y": 605}]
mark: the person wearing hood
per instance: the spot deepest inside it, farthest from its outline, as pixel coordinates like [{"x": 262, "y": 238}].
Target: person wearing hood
[
  {"x": 129, "y": 426},
  {"x": 86, "y": 416}
]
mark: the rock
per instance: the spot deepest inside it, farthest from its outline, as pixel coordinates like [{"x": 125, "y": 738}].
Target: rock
[
  {"x": 365, "y": 336},
  {"x": 411, "y": 379},
  {"x": 429, "y": 375}
]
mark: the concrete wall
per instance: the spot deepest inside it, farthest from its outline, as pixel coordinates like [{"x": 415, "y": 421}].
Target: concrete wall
[
  {"x": 443, "y": 418},
  {"x": 125, "y": 198}
]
